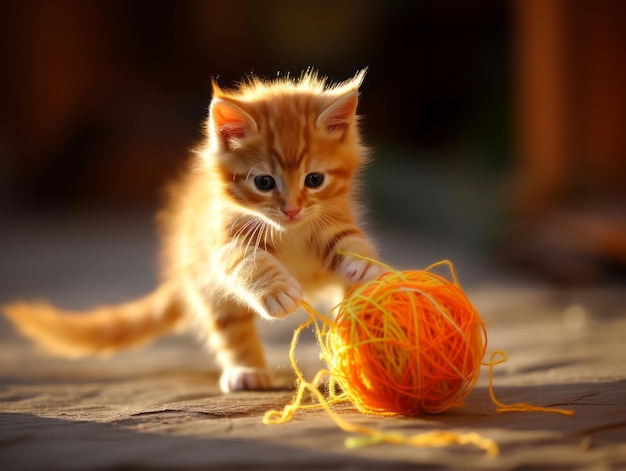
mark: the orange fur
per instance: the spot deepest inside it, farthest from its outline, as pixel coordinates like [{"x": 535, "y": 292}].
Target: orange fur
[
  {"x": 261, "y": 219},
  {"x": 101, "y": 330}
]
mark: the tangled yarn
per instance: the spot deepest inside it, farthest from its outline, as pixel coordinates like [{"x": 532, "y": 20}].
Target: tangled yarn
[{"x": 405, "y": 343}]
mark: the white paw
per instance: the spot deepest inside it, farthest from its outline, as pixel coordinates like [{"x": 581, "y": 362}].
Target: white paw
[
  {"x": 283, "y": 299},
  {"x": 359, "y": 271},
  {"x": 240, "y": 378}
]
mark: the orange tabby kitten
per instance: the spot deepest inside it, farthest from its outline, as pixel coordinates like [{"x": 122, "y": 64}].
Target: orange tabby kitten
[{"x": 264, "y": 217}]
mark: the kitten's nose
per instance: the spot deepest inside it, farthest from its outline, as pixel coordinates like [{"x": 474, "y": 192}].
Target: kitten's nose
[{"x": 291, "y": 211}]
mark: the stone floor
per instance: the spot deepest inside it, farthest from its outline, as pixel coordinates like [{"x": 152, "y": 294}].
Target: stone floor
[{"x": 159, "y": 407}]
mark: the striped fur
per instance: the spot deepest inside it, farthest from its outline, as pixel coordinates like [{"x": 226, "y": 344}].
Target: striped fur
[{"x": 231, "y": 250}]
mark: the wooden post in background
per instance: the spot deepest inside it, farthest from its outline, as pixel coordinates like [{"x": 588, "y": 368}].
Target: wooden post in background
[
  {"x": 541, "y": 87},
  {"x": 569, "y": 211}
]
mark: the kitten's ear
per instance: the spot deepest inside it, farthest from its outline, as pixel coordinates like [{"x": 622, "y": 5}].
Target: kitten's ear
[
  {"x": 340, "y": 114},
  {"x": 230, "y": 121}
]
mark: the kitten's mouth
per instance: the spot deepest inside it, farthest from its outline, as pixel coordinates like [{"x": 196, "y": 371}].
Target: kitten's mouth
[{"x": 291, "y": 221}]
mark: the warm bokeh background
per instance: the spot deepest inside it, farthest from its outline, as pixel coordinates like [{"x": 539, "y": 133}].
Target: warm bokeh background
[{"x": 498, "y": 126}]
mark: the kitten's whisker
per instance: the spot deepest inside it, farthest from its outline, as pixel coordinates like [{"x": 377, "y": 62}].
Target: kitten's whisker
[
  {"x": 258, "y": 233},
  {"x": 244, "y": 232},
  {"x": 240, "y": 229},
  {"x": 244, "y": 229},
  {"x": 272, "y": 236},
  {"x": 265, "y": 231},
  {"x": 251, "y": 236},
  {"x": 263, "y": 218}
]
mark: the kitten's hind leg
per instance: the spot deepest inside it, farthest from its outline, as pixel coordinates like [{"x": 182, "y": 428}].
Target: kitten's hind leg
[{"x": 236, "y": 343}]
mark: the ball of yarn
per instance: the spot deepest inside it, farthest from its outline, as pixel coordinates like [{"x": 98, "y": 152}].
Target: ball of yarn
[{"x": 406, "y": 343}]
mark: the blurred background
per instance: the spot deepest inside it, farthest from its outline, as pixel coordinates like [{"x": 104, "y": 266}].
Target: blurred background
[{"x": 499, "y": 127}]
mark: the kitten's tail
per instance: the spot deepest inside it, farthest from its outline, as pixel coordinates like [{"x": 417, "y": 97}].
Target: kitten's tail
[{"x": 101, "y": 330}]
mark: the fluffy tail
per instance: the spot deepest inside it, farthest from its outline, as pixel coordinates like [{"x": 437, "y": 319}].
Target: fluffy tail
[{"x": 101, "y": 330}]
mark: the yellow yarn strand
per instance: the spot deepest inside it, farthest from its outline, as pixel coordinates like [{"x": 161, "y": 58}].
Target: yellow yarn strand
[
  {"x": 441, "y": 350},
  {"x": 518, "y": 406}
]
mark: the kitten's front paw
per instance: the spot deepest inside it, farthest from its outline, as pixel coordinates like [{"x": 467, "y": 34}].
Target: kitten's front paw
[
  {"x": 284, "y": 298},
  {"x": 239, "y": 378},
  {"x": 357, "y": 270}
]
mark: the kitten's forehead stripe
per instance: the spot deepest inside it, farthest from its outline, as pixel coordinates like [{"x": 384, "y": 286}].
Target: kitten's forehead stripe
[{"x": 288, "y": 129}]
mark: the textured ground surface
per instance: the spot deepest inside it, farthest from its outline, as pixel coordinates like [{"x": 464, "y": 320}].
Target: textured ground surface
[{"x": 160, "y": 407}]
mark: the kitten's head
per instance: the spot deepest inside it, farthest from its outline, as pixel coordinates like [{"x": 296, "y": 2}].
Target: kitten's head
[{"x": 287, "y": 150}]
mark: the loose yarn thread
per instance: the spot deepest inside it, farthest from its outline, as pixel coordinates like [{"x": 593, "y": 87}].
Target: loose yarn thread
[{"x": 405, "y": 343}]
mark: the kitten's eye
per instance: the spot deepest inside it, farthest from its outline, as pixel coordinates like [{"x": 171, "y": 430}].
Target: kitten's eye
[
  {"x": 313, "y": 180},
  {"x": 264, "y": 182}
]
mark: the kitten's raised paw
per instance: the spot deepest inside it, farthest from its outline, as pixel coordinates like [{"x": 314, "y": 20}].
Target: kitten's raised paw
[
  {"x": 284, "y": 299},
  {"x": 240, "y": 378},
  {"x": 359, "y": 271}
]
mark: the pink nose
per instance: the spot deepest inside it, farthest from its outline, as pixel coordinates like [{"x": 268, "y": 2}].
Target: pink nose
[{"x": 291, "y": 211}]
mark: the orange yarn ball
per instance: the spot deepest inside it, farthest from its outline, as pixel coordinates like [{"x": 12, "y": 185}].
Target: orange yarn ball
[{"x": 406, "y": 343}]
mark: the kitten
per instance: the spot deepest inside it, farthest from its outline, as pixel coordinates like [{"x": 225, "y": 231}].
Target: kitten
[{"x": 264, "y": 216}]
